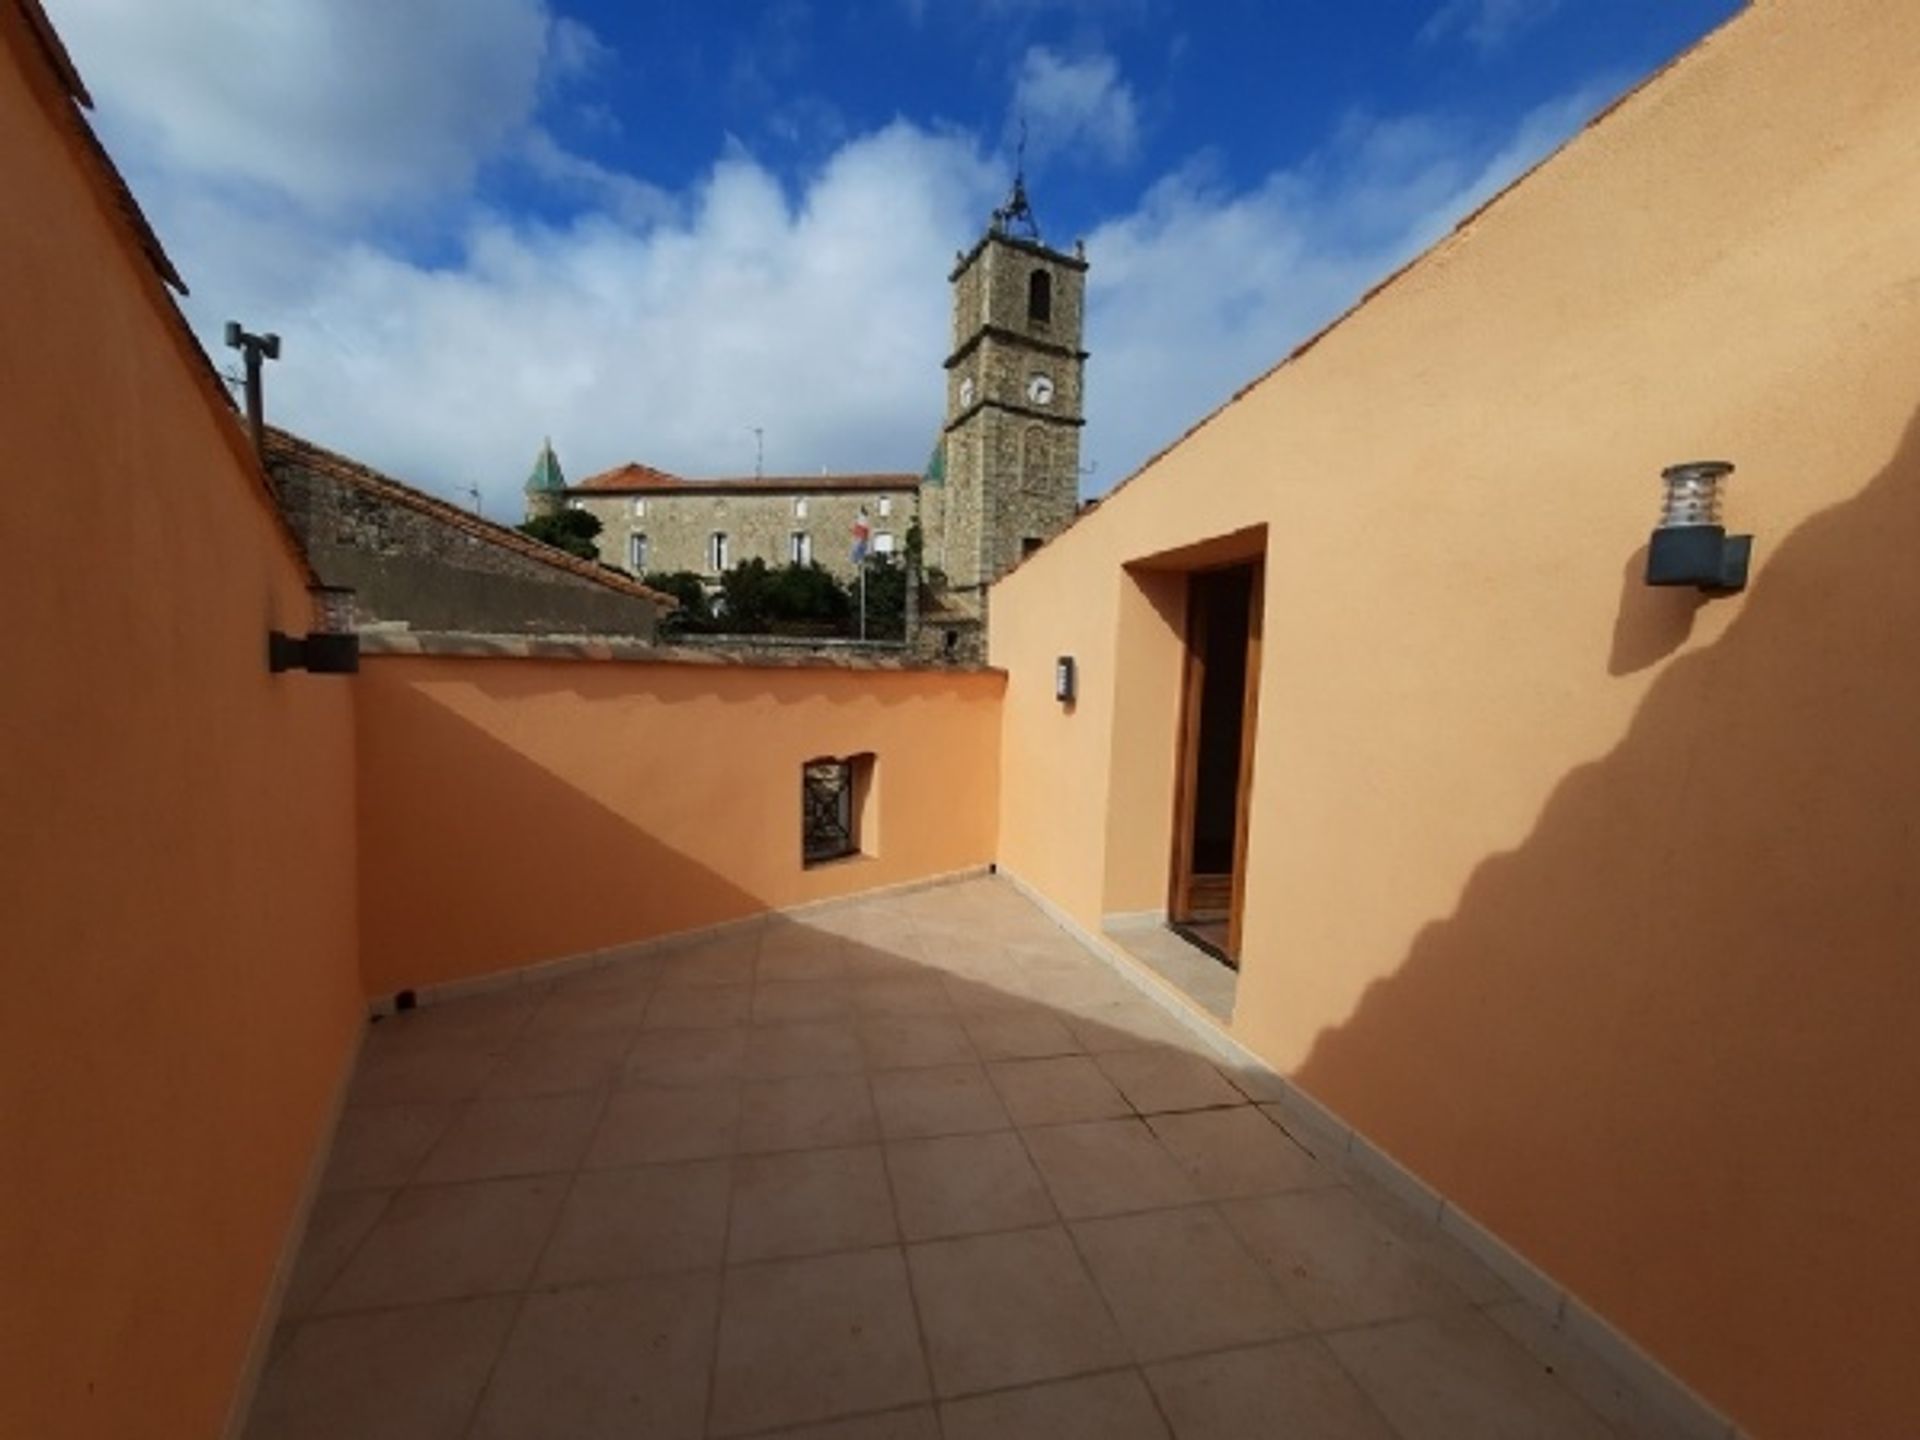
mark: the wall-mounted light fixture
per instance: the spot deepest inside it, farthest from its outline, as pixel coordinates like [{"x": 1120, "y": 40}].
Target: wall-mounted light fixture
[
  {"x": 1690, "y": 546},
  {"x": 1066, "y": 677},
  {"x": 330, "y": 648}
]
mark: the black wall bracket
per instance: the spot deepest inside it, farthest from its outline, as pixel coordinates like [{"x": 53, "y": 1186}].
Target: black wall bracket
[
  {"x": 317, "y": 654},
  {"x": 1704, "y": 556}
]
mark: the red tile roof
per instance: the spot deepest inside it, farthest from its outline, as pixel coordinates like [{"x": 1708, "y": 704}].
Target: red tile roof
[
  {"x": 285, "y": 448},
  {"x": 634, "y": 478}
]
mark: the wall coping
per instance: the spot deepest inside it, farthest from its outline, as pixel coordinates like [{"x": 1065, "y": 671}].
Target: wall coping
[{"x": 376, "y": 644}]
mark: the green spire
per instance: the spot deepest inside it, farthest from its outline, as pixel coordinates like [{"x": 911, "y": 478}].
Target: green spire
[
  {"x": 546, "y": 478},
  {"x": 936, "y": 471}
]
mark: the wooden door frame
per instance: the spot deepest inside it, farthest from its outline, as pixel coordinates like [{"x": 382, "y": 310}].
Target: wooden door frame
[{"x": 1187, "y": 758}]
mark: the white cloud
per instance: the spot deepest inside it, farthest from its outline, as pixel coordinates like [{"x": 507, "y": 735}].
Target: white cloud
[
  {"x": 1071, "y": 105},
  {"x": 1486, "y": 24},
  {"x": 342, "y": 108},
  {"x": 663, "y": 326}
]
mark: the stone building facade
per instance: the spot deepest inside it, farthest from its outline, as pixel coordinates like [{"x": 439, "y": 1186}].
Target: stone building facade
[
  {"x": 416, "y": 560},
  {"x": 1004, "y": 477},
  {"x": 651, "y": 521}
]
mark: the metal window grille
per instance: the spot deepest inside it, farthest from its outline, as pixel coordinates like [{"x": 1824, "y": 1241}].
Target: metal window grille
[{"x": 826, "y": 810}]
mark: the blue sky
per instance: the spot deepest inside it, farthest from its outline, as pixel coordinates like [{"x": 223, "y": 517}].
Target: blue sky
[{"x": 647, "y": 229}]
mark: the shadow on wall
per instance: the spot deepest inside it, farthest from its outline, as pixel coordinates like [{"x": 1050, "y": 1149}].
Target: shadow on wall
[
  {"x": 518, "y": 812},
  {"x": 1667, "y": 1047}
]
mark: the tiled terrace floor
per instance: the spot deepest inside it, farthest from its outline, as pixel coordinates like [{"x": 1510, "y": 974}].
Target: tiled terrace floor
[{"x": 918, "y": 1167}]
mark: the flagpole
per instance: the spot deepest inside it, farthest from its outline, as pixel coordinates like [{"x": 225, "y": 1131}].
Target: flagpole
[{"x": 863, "y": 597}]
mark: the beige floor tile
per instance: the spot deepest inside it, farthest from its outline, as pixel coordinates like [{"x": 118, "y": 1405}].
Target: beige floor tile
[
  {"x": 795, "y": 1002},
  {"x": 382, "y": 1145},
  {"x": 1605, "y": 1391},
  {"x": 973, "y": 993},
  {"x": 588, "y": 1012},
  {"x": 1008, "y": 1309},
  {"x": 917, "y": 1423},
  {"x": 944, "y": 1100},
  {"x": 541, "y": 1063},
  {"x": 1156, "y": 1080},
  {"x": 1179, "y": 1283},
  {"x": 811, "y": 1113},
  {"x": 821, "y": 1047},
  {"x": 806, "y": 1202},
  {"x": 1056, "y": 1091},
  {"x": 1335, "y": 1260},
  {"x": 1107, "y": 1167},
  {"x": 1243, "y": 1393},
  {"x": 890, "y": 960},
  {"x": 494, "y": 1017},
  {"x": 614, "y": 980},
  {"x": 533, "y": 1136},
  {"x": 445, "y": 1242},
  {"x": 797, "y": 953},
  {"x": 653, "y": 1219},
  {"x": 1129, "y": 1025},
  {"x": 922, "y": 994},
  {"x": 410, "y": 1374},
  {"x": 808, "y": 1340},
  {"x": 699, "y": 1007},
  {"x": 900, "y": 1042},
  {"x": 721, "y": 962},
  {"x": 606, "y": 1362},
  {"x": 1442, "y": 1376},
  {"x": 646, "y": 1124},
  {"x": 1236, "y": 1152},
  {"x": 686, "y": 1057},
  {"x": 1030, "y": 1034},
  {"x": 341, "y": 1219},
  {"x": 1114, "y": 1406},
  {"x": 400, "y": 1073},
  {"x": 966, "y": 1184}
]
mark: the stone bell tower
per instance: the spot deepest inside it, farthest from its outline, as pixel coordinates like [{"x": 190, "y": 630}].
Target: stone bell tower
[{"x": 1014, "y": 407}]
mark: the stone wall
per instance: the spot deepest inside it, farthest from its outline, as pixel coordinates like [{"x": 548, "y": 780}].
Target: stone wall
[
  {"x": 758, "y": 525},
  {"x": 421, "y": 561}
]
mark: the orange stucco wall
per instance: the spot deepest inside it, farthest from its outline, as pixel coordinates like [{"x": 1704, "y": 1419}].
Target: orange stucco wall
[
  {"x": 176, "y": 880},
  {"x": 520, "y": 810},
  {"x": 1594, "y": 904}
]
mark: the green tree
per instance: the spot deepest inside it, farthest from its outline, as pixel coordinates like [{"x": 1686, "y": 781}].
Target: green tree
[
  {"x": 569, "y": 530},
  {"x": 695, "y": 613},
  {"x": 745, "y": 598},
  {"x": 807, "y": 598},
  {"x": 886, "y": 599}
]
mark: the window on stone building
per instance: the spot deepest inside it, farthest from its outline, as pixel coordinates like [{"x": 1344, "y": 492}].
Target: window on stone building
[
  {"x": 717, "y": 552},
  {"x": 886, "y": 505},
  {"x": 576, "y": 504},
  {"x": 1029, "y": 544},
  {"x": 1040, "y": 297},
  {"x": 799, "y": 507},
  {"x": 883, "y": 543},
  {"x": 639, "y": 508},
  {"x": 637, "y": 553},
  {"x": 800, "y": 548}
]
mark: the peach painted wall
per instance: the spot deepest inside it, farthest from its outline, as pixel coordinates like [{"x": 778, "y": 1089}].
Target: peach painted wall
[
  {"x": 1594, "y": 904},
  {"x": 176, "y": 878},
  {"x": 521, "y": 810}
]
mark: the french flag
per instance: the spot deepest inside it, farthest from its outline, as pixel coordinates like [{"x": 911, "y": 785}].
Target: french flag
[{"x": 862, "y": 533}]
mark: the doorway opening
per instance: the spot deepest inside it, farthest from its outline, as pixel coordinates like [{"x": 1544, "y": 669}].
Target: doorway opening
[{"x": 1214, "y": 764}]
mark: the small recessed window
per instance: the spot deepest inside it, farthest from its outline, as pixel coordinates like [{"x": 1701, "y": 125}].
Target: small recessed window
[
  {"x": 886, "y": 505},
  {"x": 639, "y": 508},
  {"x": 800, "y": 548},
  {"x": 1040, "y": 297},
  {"x": 837, "y": 803},
  {"x": 1030, "y": 544},
  {"x": 576, "y": 504},
  {"x": 637, "y": 553},
  {"x": 799, "y": 507},
  {"x": 718, "y": 552},
  {"x": 883, "y": 543}
]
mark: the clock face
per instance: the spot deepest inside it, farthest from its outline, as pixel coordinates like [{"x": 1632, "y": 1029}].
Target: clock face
[
  {"x": 966, "y": 390},
  {"x": 1040, "y": 389}
]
